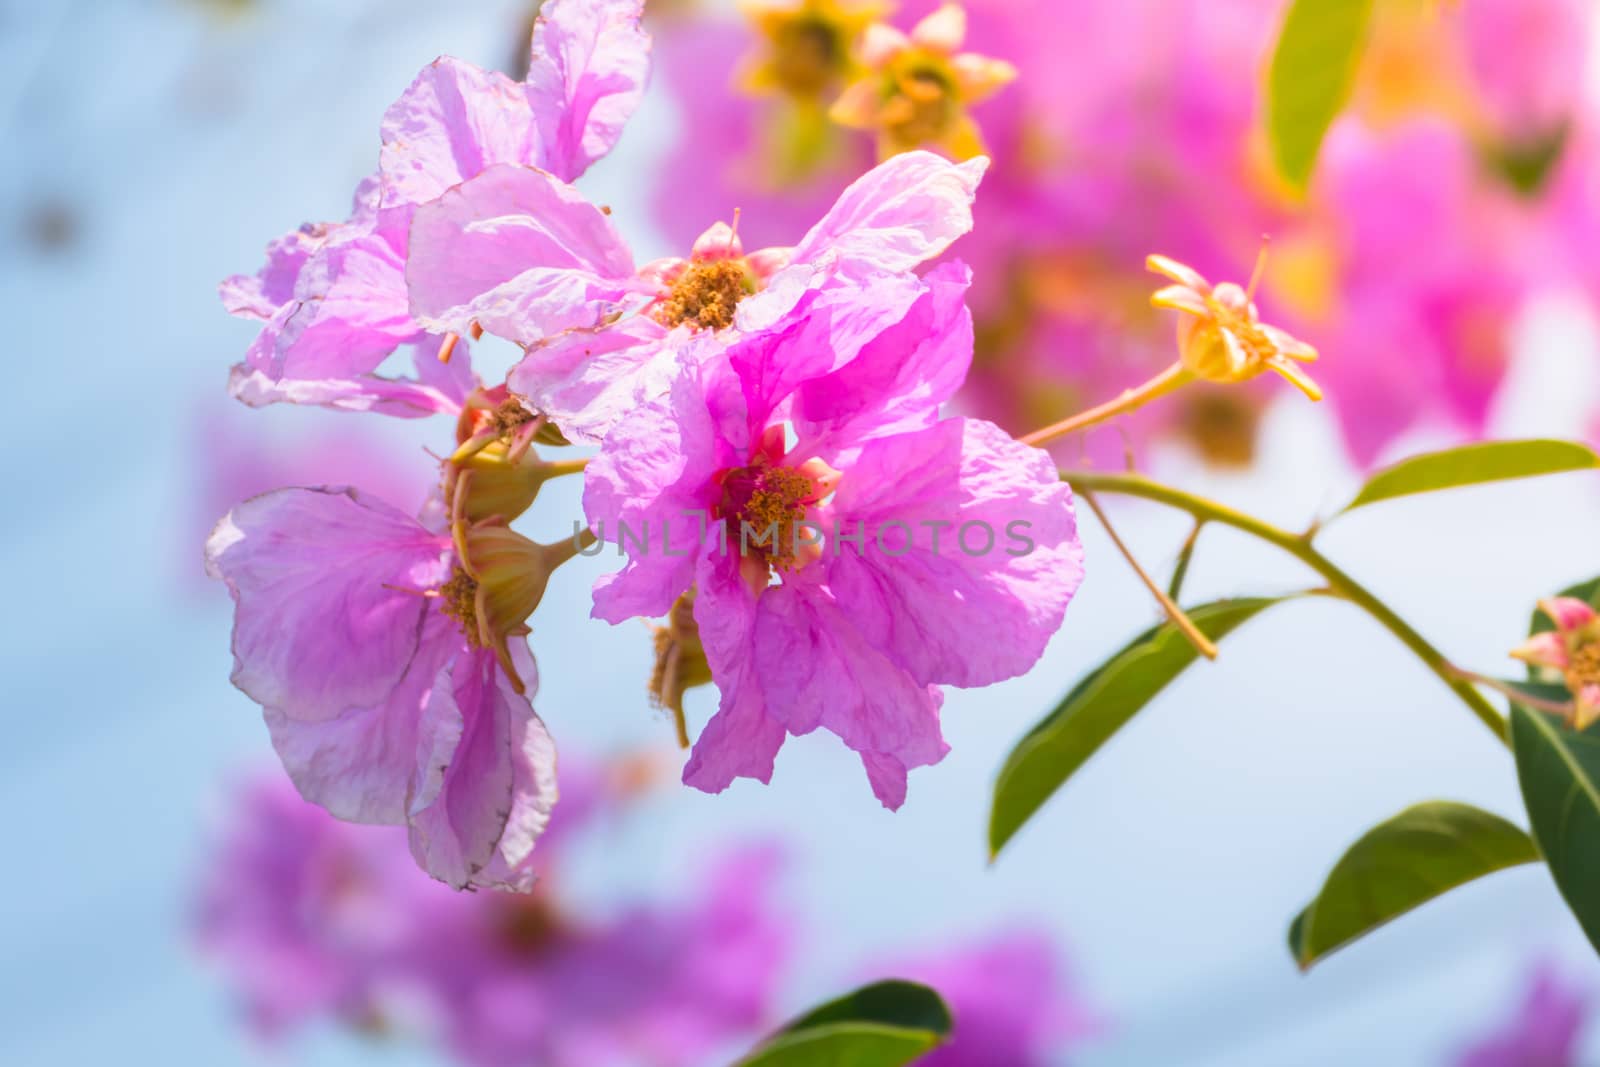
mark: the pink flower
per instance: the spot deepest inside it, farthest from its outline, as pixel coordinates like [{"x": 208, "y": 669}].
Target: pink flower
[
  {"x": 389, "y": 691},
  {"x": 523, "y": 255},
  {"x": 829, "y": 416},
  {"x": 1010, "y": 999},
  {"x": 300, "y": 908},
  {"x": 1528, "y": 60},
  {"x": 313, "y": 917},
  {"x": 333, "y": 296},
  {"x": 1571, "y": 650},
  {"x": 1545, "y": 1032}
]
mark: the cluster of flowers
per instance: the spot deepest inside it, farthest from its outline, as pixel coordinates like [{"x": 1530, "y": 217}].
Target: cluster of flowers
[
  {"x": 317, "y": 919},
  {"x": 794, "y": 384},
  {"x": 1459, "y": 185}
]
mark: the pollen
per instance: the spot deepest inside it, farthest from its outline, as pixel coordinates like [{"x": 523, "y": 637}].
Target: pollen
[
  {"x": 706, "y": 294},
  {"x": 458, "y": 598},
  {"x": 1583, "y": 666},
  {"x": 768, "y": 500}
]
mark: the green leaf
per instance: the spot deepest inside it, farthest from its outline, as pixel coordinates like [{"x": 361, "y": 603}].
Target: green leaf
[
  {"x": 1399, "y": 864},
  {"x": 885, "y": 1024},
  {"x": 1559, "y": 770},
  {"x": 1493, "y": 461},
  {"x": 1313, "y": 67},
  {"x": 1099, "y": 706}
]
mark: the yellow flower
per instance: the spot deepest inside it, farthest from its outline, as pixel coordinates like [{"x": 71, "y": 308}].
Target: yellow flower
[
  {"x": 809, "y": 46},
  {"x": 1221, "y": 338},
  {"x": 919, "y": 86}
]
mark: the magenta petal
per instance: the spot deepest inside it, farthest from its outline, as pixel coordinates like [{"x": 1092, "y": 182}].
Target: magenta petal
[
  {"x": 1568, "y": 613},
  {"x": 453, "y": 121},
  {"x": 654, "y": 473},
  {"x": 741, "y": 740},
  {"x": 1547, "y": 649},
  {"x": 517, "y": 251},
  {"x": 900, "y": 214},
  {"x": 974, "y": 599},
  {"x": 815, "y": 669},
  {"x": 323, "y": 623},
  {"x": 362, "y": 764},
  {"x": 488, "y": 790},
  {"x": 587, "y": 381},
  {"x": 259, "y": 296},
  {"x": 590, "y": 63}
]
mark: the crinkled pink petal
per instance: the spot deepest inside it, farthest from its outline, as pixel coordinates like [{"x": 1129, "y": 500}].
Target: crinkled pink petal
[
  {"x": 323, "y": 622},
  {"x": 741, "y": 740},
  {"x": 590, "y": 63},
  {"x": 491, "y": 785},
  {"x": 654, "y": 475},
  {"x": 452, "y": 122},
  {"x": 968, "y": 532},
  {"x": 259, "y": 295},
  {"x": 814, "y": 668},
  {"x": 519, "y": 252},
  {"x": 587, "y": 381},
  {"x": 899, "y": 378},
  {"x": 898, "y": 215},
  {"x": 361, "y": 765}
]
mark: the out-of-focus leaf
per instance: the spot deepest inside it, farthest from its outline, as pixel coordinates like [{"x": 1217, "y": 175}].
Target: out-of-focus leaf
[
  {"x": 1559, "y": 771},
  {"x": 1313, "y": 66},
  {"x": 1492, "y": 461},
  {"x": 1401, "y": 863},
  {"x": 886, "y": 1024},
  {"x": 1099, "y": 706}
]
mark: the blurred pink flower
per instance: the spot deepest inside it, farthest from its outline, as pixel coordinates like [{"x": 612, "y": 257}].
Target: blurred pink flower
[
  {"x": 1528, "y": 60},
  {"x": 1011, "y": 999},
  {"x": 313, "y": 917},
  {"x": 360, "y": 633},
  {"x": 1571, "y": 650},
  {"x": 1544, "y": 1032},
  {"x": 830, "y": 416}
]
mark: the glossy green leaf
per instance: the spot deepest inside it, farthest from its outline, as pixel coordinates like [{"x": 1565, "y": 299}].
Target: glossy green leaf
[
  {"x": 1492, "y": 461},
  {"x": 1313, "y": 67},
  {"x": 1401, "y": 863},
  {"x": 1099, "y": 706},
  {"x": 885, "y": 1024},
  {"x": 1559, "y": 771}
]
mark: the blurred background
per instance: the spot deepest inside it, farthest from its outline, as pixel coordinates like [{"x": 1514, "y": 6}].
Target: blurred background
[{"x": 154, "y": 146}]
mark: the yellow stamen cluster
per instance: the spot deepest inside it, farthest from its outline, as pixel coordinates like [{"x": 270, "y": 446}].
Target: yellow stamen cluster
[
  {"x": 808, "y": 48},
  {"x": 706, "y": 294},
  {"x": 458, "y": 597},
  {"x": 779, "y": 505}
]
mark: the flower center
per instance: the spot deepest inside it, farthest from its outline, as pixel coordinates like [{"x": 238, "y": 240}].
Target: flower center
[
  {"x": 924, "y": 105},
  {"x": 807, "y": 55},
  {"x": 527, "y": 923},
  {"x": 458, "y": 598},
  {"x": 763, "y": 504},
  {"x": 1583, "y": 663},
  {"x": 706, "y": 293}
]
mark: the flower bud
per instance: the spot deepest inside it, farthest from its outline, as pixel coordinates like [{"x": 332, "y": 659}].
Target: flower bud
[
  {"x": 509, "y": 575},
  {"x": 680, "y": 662}
]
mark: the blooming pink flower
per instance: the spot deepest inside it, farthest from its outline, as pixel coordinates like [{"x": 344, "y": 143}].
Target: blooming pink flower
[
  {"x": 1010, "y": 999},
  {"x": 388, "y": 706},
  {"x": 521, "y": 254},
  {"x": 830, "y": 416},
  {"x": 313, "y": 916},
  {"x": 1572, "y": 650},
  {"x": 1545, "y": 1031},
  {"x": 333, "y": 296}
]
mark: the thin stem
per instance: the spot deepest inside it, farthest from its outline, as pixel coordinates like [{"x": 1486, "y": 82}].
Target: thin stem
[
  {"x": 1554, "y": 707},
  {"x": 1162, "y": 384},
  {"x": 1180, "y": 570},
  {"x": 1185, "y": 625},
  {"x": 1338, "y": 581}
]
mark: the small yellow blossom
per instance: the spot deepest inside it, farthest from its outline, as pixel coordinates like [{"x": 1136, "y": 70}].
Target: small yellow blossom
[
  {"x": 808, "y": 47},
  {"x": 1221, "y": 338},
  {"x": 919, "y": 86}
]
